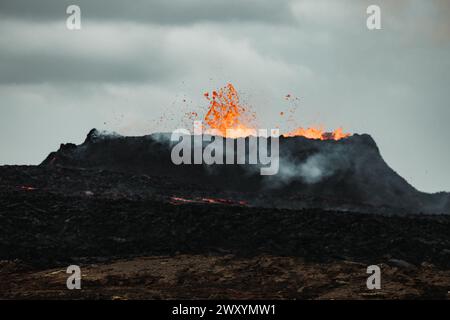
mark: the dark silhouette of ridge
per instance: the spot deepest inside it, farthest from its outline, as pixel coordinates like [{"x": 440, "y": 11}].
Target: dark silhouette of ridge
[{"x": 346, "y": 174}]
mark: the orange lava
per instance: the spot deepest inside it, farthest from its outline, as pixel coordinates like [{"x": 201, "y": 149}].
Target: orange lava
[
  {"x": 318, "y": 133},
  {"x": 225, "y": 113}
]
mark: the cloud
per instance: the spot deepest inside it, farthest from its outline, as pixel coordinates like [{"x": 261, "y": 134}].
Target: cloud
[
  {"x": 128, "y": 53},
  {"x": 36, "y": 52},
  {"x": 174, "y": 12}
]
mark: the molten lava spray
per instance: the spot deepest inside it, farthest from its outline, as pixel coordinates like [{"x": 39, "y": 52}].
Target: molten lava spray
[{"x": 225, "y": 112}]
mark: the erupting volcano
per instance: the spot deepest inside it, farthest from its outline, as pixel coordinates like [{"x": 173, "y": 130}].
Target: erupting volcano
[
  {"x": 317, "y": 169},
  {"x": 227, "y": 117},
  {"x": 329, "y": 201}
]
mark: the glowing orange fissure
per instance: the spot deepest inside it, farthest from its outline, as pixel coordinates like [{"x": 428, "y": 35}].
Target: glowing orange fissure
[
  {"x": 228, "y": 118},
  {"x": 318, "y": 133}
]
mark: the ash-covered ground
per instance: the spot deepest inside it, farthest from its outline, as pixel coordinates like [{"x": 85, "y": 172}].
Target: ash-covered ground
[{"x": 147, "y": 234}]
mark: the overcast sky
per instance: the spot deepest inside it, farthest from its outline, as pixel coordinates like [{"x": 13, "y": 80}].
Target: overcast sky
[{"x": 134, "y": 62}]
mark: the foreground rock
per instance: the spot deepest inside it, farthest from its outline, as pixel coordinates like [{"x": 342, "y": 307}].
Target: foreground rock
[
  {"x": 224, "y": 277},
  {"x": 199, "y": 246}
]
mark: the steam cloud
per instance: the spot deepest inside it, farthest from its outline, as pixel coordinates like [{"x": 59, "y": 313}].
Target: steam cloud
[{"x": 313, "y": 169}]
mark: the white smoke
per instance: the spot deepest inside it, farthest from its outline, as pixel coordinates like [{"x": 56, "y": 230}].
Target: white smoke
[
  {"x": 314, "y": 168},
  {"x": 161, "y": 137}
]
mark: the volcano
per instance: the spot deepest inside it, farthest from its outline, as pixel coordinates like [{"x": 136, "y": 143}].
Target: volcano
[
  {"x": 332, "y": 206},
  {"x": 347, "y": 174},
  {"x": 120, "y": 203}
]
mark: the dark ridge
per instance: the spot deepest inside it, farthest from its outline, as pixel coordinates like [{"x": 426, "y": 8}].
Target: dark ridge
[{"x": 348, "y": 174}]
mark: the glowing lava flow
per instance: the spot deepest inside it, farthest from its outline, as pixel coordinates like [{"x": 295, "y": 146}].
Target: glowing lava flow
[
  {"x": 225, "y": 112},
  {"x": 318, "y": 133}
]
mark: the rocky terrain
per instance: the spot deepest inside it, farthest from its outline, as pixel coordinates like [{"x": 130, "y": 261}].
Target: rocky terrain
[
  {"x": 225, "y": 276},
  {"x": 345, "y": 175},
  {"x": 149, "y": 237},
  {"x": 141, "y": 227}
]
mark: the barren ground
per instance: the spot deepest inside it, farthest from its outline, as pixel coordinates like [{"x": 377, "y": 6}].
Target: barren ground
[{"x": 132, "y": 240}]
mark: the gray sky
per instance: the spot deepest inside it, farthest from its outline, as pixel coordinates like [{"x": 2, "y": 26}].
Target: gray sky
[{"x": 134, "y": 62}]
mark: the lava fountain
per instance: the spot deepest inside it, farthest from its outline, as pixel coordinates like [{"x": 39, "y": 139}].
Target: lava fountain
[{"x": 227, "y": 113}]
